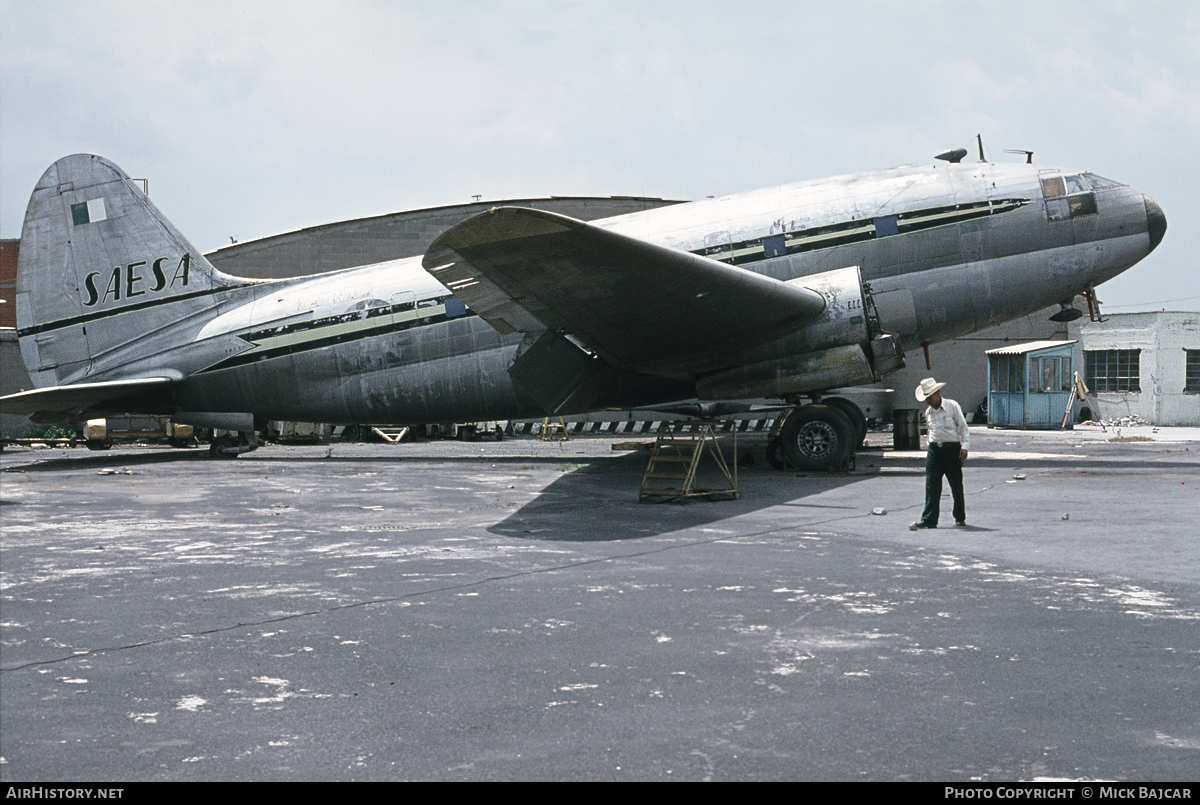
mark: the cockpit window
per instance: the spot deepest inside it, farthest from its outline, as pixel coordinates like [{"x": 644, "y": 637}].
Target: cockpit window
[
  {"x": 1076, "y": 184},
  {"x": 1053, "y": 186},
  {"x": 1082, "y": 204},
  {"x": 1071, "y": 196},
  {"x": 1099, "y": 182}
]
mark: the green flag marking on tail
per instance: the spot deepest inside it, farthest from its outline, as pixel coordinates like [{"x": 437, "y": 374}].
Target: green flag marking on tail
[{"x": 88, "y": 212}]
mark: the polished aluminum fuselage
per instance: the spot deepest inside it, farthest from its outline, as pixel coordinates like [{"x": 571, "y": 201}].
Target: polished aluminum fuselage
[{"x": 944, "y": 249}]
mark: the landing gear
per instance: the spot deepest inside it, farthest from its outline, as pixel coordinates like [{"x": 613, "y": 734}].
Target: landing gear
[
  {"x": 226, "y": 447},
  {"x": 817, "y": 437},
  {"x": 853, "y": 413}
]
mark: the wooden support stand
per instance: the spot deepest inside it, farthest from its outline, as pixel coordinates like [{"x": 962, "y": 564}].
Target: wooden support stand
[
  {"x": 676, "y": 457},
  {"x": 554, "y": 431}
]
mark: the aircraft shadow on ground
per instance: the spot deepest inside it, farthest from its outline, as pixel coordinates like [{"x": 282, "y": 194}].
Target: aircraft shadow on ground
[
  {"x": 596, "y": 497},
  {"x": 599, "y": 501}
]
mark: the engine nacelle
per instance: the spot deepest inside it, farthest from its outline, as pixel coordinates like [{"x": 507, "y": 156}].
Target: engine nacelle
[{"x": 844, "y": 347}]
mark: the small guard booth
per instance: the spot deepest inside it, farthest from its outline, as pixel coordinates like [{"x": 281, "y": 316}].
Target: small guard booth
[{"x": 1030, "y": 385}]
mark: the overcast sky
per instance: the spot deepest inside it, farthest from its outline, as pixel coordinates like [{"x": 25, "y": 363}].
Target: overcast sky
[{"x": 253, "y": 118}]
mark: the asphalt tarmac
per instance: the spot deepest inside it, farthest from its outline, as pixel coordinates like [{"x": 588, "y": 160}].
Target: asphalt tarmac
[{"x": 505, "y": 611}]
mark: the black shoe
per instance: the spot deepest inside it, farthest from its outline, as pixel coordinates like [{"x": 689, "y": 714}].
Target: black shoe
[{"x": 920, "y": 524}]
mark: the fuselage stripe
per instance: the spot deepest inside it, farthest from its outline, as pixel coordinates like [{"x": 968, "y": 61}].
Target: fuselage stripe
[
  {"x": 292, "y": 339},
  {"x": 102, "y": 314},
  {"x": 800, "y": 241}
]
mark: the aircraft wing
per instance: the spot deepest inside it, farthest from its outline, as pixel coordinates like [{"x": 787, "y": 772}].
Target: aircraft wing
[
  {"x": 635, "y": 304},
  {"x": 56, "y": 403}
]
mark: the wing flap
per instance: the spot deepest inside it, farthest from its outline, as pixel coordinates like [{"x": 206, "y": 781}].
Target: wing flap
[
  {"x": 635, "y": 304},
  {"x": 56, "y": 403}
]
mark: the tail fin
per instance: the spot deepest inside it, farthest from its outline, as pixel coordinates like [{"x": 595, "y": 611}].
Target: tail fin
[{"x": 100, "y": 273}]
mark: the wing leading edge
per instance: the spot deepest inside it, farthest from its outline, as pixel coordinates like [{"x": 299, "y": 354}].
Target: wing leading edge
[{"x": 637, "y": 305}]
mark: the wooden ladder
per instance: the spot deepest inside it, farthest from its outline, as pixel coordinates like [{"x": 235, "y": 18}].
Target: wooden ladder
[
  {"x": 554, "y": 431},
  {"x": 676, "y": 457}
]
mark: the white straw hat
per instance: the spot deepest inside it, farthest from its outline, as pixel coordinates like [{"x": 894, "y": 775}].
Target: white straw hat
[{"x": 928, "y": 386}]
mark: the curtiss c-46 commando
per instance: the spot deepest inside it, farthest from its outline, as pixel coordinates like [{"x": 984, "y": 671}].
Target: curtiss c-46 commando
[{"x": 782, "y": 293}]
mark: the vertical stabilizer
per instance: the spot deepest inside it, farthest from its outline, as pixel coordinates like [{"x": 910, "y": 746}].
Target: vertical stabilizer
[{"x": 101, "y": 271}]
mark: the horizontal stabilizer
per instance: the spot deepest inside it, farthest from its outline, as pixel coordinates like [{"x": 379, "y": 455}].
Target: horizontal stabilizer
[
  {"x": 57, "y": 403},
  {"x": 637, "y": 305}
]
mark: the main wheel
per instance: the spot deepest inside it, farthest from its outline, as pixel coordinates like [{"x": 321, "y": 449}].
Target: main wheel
[
  {"x": 853, "y": 413},
  {"x": 219, "y": 447},
  {"x": 817, "y": 437}
]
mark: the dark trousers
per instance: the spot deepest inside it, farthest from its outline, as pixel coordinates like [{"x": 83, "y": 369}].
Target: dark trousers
[{"x": 942, "y": 459}]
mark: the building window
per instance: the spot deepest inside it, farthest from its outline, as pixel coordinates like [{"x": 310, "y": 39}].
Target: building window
[
  {"x": 1006, "y": 373},
  {"x": 1191, "y": 383},
  {"x": 1113, "y": 369},
  {"x": 1053, "y": 375}
]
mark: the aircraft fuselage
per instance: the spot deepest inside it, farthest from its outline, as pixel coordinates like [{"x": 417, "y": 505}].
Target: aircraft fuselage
[{"x": 943, "y": 249}]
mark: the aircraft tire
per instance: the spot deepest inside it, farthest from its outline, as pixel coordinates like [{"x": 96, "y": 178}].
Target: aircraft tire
[
  {"x": 220, "y": 445},
  {"x": 817, "y": 437},
  {"x": 853, "y": 413}
]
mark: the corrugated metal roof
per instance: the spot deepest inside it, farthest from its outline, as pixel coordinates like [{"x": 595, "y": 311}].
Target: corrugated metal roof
[{"x": 1021, "y": 349}]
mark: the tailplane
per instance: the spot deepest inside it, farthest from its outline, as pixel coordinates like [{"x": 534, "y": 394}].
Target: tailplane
[{"x": 102, "y": 276}]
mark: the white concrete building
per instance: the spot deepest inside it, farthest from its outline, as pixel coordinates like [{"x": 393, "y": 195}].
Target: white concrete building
[{"x": 1141, "y": 364}]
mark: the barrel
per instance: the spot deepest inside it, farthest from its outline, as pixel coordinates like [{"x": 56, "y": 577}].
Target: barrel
[{"x": 906, "y": 430}]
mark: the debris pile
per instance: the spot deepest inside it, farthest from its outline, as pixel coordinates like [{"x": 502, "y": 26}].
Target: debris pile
[{"x": 1130, "y": 421}]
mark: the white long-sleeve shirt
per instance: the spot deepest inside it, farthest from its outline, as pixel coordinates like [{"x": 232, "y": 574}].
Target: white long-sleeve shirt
[{"x": 947, "y": 424}]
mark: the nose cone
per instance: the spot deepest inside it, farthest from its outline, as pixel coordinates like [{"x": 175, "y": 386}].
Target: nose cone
[{"x": 1156, "y": 222}]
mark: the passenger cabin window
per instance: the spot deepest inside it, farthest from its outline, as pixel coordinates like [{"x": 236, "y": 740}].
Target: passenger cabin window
[
  {"x": 1070, "y": 197},
  {"x": 370, "y": 308}
]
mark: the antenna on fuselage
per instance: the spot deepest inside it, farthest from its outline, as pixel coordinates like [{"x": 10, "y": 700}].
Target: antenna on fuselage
[
  {"x": 979, "y": 138},
  {"x": 955, "y": 156},
  {"x": 1028, "y": 154}
]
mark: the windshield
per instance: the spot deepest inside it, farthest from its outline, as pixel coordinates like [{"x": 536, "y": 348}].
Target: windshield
[{"x": 1099, "y": 182}]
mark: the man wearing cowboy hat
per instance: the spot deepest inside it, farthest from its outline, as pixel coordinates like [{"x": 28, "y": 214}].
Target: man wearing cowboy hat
[{"x": 949, "y": 441}]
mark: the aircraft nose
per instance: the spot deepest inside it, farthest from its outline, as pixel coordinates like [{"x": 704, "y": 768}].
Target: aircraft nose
[{"x": 1156, "y": 222}]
